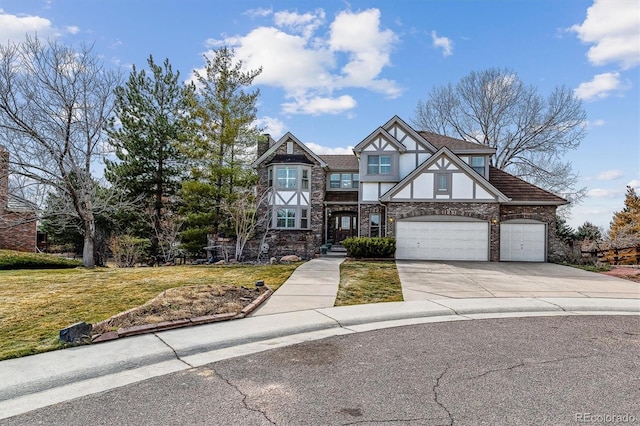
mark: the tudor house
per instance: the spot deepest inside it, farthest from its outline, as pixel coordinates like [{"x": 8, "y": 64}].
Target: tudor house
[{"x": 437, "y": 196}]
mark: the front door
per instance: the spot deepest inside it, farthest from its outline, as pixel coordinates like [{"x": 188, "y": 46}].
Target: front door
[{"x": 345, "y": 225}]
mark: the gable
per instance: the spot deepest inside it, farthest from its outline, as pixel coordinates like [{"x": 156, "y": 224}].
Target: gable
[
  {"x": 408, "y": 137},
  {"x": 289, "y": 138},
  {"x": 463, "y": 183},
  {"x": 379, "y": 140}
]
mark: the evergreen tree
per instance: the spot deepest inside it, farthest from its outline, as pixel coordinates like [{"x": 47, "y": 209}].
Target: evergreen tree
[
  {"x": 148, "y": 126},
  {"x": 626, "y": 223},
  {"x": 223, "y": 111},
  {"x": 588, "y": 231},
  {"x": 565, "y": 232}
]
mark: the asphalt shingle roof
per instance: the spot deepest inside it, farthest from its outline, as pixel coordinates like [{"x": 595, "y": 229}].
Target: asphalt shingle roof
[
  {"x": 520, "y": 190},
  {"x": 341, "y": 162},
  {"x": 453, "y": 144}
]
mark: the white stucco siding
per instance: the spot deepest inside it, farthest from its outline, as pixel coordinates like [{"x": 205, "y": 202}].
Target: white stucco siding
[
  {"x": 482, "y": 194},
  {"x": 370, "y": 191},
  {"x": 304, "y": 198},
  {"x": 286, "y": 198},
  {"x": 384, "y": 187},
  {"x": 461, "y": 187},
  {"x": 423, "y": 186},
  {"x": 407, "y": 164},
  {"x": 403, "y": 194},
  {"x": 422, "y": 158}
]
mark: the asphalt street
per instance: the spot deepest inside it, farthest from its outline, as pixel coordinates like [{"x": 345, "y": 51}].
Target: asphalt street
[{"x": 558, "y": 370}]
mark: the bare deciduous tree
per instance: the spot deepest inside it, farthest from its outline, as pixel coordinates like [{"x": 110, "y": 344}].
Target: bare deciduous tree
[
  {"x": 243, "y": 215},
  {"x": 530, "y": 133},
  {"x": 54, "y": 104}
]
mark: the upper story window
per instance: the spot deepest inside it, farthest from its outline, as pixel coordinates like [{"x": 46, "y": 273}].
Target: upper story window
[
  {"x": 478, "y": 164},
  {"x": 379, "y": 164},
  {"x": 270, "y": 177},
  {"x": 305, "y": 179},
  {"x": 443, "y": 183},
  {"x": 287, "y": 177},
  {"x": 344, "y": 180}
]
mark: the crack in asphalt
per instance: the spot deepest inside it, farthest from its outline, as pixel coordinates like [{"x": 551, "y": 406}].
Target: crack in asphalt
[
  {"x": 244, "y": 397},
  {"x": 174, "y": 351},
  {"x": 435, "y": 395},
  {"x": 523, "y": 364},
  {"x": 411, "y": 419}
]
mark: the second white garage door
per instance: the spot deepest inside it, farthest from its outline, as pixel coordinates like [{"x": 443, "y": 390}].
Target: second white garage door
[
  {"x": 522, "y": 242},
  {"x": 442, "y": 240}
]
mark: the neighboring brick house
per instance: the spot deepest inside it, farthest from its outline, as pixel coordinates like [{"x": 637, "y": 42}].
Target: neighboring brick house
[
  {"x": 17, "y": 221},
  {"x": 438, "y": 196}
]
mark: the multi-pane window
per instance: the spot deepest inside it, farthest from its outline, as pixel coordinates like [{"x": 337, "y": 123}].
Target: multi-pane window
[
  {"x": 304, "y": 218},
  {"x": 374, "y": 225},
  {"x": 305, "y": 179},
  {"x": 379, "y": 164},
  {"x": 344, "y": 180},
  {"x": 287, "y": 177},
  {"x": 286, "y": 218},
  {"x": 443, "y": 183},
  {"x": 478, "y": 164},
  {"x": 270, "y": 178}
]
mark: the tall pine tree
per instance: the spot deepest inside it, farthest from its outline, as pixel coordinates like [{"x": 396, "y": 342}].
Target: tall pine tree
[
  {"x": 148, "y": 126},
  {"x": 222, "y": 115}
]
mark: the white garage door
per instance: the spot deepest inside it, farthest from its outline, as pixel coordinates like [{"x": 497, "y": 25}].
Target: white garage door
[
  {"x": 442, "y": 240},
  {"x": 522, "y": 242}
]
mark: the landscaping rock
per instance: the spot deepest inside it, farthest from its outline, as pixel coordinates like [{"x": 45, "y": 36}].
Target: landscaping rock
[
  {"x": 76, "y": 333},
  {"x": 290, "y": 258}
]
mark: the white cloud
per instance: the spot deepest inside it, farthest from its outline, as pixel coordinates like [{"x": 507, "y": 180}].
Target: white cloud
[
  {"x": 604, "y": 193},
  {"x": 259, "y": 12},
  {"x": 610, "y": 175},
  {"x": 276, "y": 128},
  {"x": 13, "y": 28},
  {"x": 305, "y": 24},
  {"x": 613, "y": 29},
  {"x": 600, "y": 87},
  {"x": 319, "y": 105},
  {"x": 635, "y": 184},
  {"x": 597, "y": 123},
  {"x": 443, "y": 43},
  {"x": 310, "y": 64},
  {"x": 324, "y": 150},
  {"x": 73, "y": 29}
]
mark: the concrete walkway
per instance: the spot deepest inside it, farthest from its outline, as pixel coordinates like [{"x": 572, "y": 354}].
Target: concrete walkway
[{"x": 312, "y": 285}]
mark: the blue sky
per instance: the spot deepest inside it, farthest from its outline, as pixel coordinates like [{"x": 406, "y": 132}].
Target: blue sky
[{"x": 333, "y": 71}]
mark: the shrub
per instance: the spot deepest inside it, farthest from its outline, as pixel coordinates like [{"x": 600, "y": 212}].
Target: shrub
[
  {"x": 10, "y": 259},
  {"x": 128, "y": 250},
  {"x": 365, "y": 247}
]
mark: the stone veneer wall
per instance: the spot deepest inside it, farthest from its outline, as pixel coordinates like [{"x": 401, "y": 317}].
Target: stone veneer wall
[{"x": 304, "y": 243}]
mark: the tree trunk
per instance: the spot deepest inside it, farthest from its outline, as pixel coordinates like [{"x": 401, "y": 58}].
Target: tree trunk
[{"x": 88, "y": 260}]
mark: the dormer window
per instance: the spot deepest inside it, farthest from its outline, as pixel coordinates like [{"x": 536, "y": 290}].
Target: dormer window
[
  {"x": 478, "y": 164},
  {"x": 379, "y": 164}
]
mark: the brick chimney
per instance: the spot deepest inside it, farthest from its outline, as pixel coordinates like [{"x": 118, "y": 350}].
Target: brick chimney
[{"x": 4, "y": 177}]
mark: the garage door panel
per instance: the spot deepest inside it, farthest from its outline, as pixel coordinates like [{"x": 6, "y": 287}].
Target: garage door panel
[
  {"x": 522, "y": 242},
  {"x": 442, "y": 240}
]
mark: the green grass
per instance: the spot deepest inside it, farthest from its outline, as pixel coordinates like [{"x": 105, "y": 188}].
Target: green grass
[
  {"x": 368, "y": 282},
  {"x": 36, "y": 304},
  {"x": 591, "y": 268},
  {"x": 10, "y": 259}
]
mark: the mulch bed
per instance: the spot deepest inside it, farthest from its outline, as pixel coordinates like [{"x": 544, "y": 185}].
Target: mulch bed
[{"x": 631, "y": 273}]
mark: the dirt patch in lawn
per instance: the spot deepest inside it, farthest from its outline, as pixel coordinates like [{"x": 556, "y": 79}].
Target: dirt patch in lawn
[
  {"x": 629, "y": 273},
  {"x": 183, "y": 303}
]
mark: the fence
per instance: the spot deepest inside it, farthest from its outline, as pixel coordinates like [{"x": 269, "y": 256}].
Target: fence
[{"x": 617, "y": 256}]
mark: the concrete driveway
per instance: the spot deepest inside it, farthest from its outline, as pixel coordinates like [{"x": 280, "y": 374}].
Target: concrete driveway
[{"x": 428, "y": 280}]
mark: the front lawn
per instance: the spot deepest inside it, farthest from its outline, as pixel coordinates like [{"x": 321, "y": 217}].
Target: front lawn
[
  {"x": 368, "y": 282},
  {"x": 36, "y": 304}
]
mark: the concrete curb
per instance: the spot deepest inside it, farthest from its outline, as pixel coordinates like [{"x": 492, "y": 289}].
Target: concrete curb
[{"x": 40, "y": 380}]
